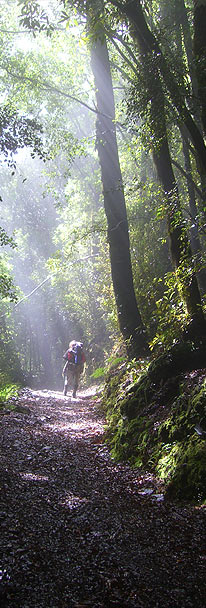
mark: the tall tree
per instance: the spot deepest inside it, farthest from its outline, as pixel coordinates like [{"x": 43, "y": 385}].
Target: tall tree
[
  {"x": 130, "y": 321},
  {"x": 133, "y": 11},
  {"x": 129, "y": 317},
  {"x": 179, "y": 245},
  {"x": 200, "y": 54}
]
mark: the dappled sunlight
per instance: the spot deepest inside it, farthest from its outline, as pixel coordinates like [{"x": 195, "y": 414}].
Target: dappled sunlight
[
  {"x": 33, "y": 477},
  {"x": 69, "y": 500},
  {"x": 69, "y": 509},
  {"x": 75, "y": 428},
  {"x": 57, "y": 415},
  {"x": 102, "y": 241},
  {"x": 65, "y": 415},
  {"x": 47, "y": 393},
  {"x": 72, "y": 502}
]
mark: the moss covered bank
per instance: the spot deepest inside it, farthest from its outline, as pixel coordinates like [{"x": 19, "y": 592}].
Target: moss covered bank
[{"x": 152, "y": 415}]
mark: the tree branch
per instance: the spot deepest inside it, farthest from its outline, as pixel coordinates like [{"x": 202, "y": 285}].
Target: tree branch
[{"x": 188, "y": 176}]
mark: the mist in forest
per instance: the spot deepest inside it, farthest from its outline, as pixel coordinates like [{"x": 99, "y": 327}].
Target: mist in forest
[
  {"x": 41, "y": 324},
  {"x": 53, "y": 200},
  {"x": 52, "y": 204},
  {"x": 51, "y": 310}
]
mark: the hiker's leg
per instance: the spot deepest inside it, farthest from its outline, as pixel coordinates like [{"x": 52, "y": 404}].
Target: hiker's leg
[
  {"x": 76, "y": 382},
  {"x": 68, "y": 380},
  {"x": 65, "y": 384},
  {"x": 65, "y": 377},
  {"x": 75, "y": 387}
]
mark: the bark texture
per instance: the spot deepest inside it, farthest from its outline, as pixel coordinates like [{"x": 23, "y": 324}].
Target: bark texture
[{"x": 130, "y": 321}]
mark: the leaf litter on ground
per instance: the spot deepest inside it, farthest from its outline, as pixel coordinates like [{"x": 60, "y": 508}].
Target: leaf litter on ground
[{"x": 80, "y": 530}]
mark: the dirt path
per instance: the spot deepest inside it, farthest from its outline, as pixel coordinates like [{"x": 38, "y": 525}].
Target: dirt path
[{"x": 77, "y": 530}]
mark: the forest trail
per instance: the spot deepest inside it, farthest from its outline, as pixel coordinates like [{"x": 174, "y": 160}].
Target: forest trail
[{"x": 80, "y": 531}]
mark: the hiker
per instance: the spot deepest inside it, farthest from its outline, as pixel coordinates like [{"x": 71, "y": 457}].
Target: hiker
[{"x": 74, "y": 366}]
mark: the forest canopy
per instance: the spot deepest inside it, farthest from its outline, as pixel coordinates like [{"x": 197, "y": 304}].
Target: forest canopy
[{"x": 103, "y": 180}]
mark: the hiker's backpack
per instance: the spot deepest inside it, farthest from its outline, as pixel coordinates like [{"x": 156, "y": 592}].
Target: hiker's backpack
[{"x": 77, "y": 352}]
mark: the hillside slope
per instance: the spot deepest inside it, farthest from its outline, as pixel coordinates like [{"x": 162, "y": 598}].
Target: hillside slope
[{"x": 152, "y": 416}]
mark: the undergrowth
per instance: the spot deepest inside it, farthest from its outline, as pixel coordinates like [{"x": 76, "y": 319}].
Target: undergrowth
[
  {"x": 7, "y": 389},
  {"x": 151, "y": 415}
]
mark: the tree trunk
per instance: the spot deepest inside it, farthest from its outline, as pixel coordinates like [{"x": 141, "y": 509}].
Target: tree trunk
[
  {"x": 179, "y": 245},
  {"x": 130, "y": 322},
  {"x": 182, "y": 18},
  {"x": 132, "y": 10},
  {"x": 200, "y": 54},
  {"x": 178, "y": 15},
  {"x": 191, "y": 48},
  {"x": 194, "y": 232}
]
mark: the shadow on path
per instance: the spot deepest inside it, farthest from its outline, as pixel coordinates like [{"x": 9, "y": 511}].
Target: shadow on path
[{"x": 77, "y": 529}]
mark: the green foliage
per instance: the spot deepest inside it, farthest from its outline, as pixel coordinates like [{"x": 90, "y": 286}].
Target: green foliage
[
  {"x": 7, "y": 289},
  {"x": 98, "y": 373},
  {"x": 171, "y": 314},
  {"x": 7, "y": 389},
  {"x": 56, "y": 208},
  {"x": 18, "y": 131},
  {"x": 6, "y": 240},
  {"x": 114, "y": 361},
  {"x": 111, "y": 363},
  {"x": 33, "y": 17}
]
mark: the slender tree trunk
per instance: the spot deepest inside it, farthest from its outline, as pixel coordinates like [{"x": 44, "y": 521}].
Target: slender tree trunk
[
  {"x": 133, "y": 11},
  {"x": 200, "y": 54},
  {"x": 197, "y": 72},
  {"x": 179, "y": 245},
  {"x": 130, "y": 322},
  {"x": 191, "y": 48},
  {"x": 194, "y": 232},
  {"x": 181, "y": 17}
]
